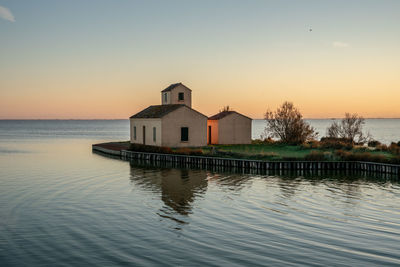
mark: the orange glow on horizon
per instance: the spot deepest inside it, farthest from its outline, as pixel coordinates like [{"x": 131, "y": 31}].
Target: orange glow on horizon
[
  {"x": 105, "y": 103},
  {"x": 250, "y": 56}
]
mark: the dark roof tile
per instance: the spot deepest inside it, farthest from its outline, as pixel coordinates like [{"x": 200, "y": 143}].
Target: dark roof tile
[
  {"x": 157, "y": 111},
  {"x": 172, "y": 86},
  {"x": 223, "y": 114}
]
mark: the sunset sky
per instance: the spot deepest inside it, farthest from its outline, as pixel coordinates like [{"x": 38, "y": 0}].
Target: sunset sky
[{"x": 110, "y": 59}]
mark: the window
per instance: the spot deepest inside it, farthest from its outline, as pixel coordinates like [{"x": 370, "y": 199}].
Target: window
[
  {"x": 134, "y": 132},
  {"x": 184, "y": 134},
  {"x": 154, "y": 134},
  {"x": 165, "y": 97},
  {"x": 181, "y": 96}
]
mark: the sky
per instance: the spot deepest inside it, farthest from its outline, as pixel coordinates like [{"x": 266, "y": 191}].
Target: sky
[{"x": 97, "y": 59}]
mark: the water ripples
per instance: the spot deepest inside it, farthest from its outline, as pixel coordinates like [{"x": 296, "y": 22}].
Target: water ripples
[{"x": 69, "y": 209}]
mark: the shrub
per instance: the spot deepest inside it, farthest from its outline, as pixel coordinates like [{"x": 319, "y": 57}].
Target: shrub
[
  {"x": 165, "y": 150},
  {"x": 382, "y": 147},
  {"x": 341, "y": 153},
  {"x": 394, "y": 148},
  {"x": 319, "y": 156},
  {"x": 256, "y": 141},
  {"x": 269, "y": 154},
  {"x": 374, "y": 143},
  {"x": 229, "y": 154},
  {"x": 311, "y": 144},
  {"x": 189, "y": 151},
  {"x": 395, "y": 160},
  {"x": 337, "y": 139},
  {"x": 361, "y": 149},
  {"x": 364, "y": 156},
  {"x": 267, "y": 140},
  {"x": 336, "y": 143},
  {"x": 287, "y": 124},
  {"x": 315, "y": 156},
  {"x": 351, "y": 127},
  {"x": 150, "y": 149},
  {"x": 305, "y": 146}
]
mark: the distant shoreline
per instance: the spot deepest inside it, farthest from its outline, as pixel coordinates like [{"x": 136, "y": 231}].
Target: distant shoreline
[{"x": 128, "y": 119}]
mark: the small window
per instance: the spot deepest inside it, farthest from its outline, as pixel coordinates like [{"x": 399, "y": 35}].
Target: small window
[
  {"x": 165, "y": 97},
  {"x": 184, "y": 134},
  {"x": 181, "y": 96},
  {"x": 154, "y": 134},
  {"x": 134, "y": 132}
]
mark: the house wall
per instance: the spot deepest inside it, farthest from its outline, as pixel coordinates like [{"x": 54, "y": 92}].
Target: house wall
[
  {"x": 214, "y": 131},
  {"x": 165, "y": 101},
  {"x": 184, "y": 117},
  {"x": 234, "y": 129},
  {"x": 149, "y": 123},
  {"x": 174, "y": 93}
]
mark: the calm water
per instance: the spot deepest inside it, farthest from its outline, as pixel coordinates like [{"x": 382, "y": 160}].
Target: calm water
[{"x": 62, "y": 205}]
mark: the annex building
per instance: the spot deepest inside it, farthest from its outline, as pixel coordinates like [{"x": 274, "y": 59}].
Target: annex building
[{"x": 175, "y": 124}]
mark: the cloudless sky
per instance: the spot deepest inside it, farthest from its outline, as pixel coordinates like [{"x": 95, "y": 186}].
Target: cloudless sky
[{"x": 110, "y": 59}]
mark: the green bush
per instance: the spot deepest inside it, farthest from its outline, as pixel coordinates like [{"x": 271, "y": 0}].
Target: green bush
[{"x": 374, "y": 143}]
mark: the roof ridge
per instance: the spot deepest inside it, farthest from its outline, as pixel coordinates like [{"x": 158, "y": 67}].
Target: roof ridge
[
  {"x": 156, "y": 111},
  {"x": 173, "y": 85},
  {"x": 225, "y": 113}
]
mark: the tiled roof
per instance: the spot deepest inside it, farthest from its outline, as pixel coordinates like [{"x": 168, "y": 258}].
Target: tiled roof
[
  {"x": 157, "y": 111},
  {"x": 172, "y": 86},
  {"x": 223, "y": 114}
]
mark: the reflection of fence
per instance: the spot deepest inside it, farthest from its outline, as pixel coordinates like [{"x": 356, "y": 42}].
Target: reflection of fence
[
  {"x": 258, "y": 165},
  {"x": 317, "y": 174}
]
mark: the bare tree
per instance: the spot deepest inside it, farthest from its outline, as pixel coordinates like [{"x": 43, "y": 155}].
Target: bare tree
[
  {"x": 350, "y": 127},
  {"x": 287, "y": 124}
]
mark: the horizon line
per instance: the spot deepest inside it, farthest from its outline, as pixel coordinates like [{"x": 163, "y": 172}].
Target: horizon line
[{"x": 88, "y": 119}]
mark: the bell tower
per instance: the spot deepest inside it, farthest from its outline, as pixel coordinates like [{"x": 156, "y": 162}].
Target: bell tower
[{"x": 176, "y": 93}]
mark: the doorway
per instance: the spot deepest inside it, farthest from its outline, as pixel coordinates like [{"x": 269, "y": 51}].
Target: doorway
[
  {"x": 209, "y": 135},
  {"x": 144, "y": 135}
]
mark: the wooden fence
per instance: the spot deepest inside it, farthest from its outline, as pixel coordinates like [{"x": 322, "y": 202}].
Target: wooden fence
[{"x": 259, "y": 165}]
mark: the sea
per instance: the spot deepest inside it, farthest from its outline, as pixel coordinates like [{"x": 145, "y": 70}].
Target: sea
[{"x": 63, "y": 205}]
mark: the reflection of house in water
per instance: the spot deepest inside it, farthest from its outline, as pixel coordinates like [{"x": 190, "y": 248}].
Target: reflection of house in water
[
  {"x": 178, "y": 187},
  {"x": 181, "y": 187}
]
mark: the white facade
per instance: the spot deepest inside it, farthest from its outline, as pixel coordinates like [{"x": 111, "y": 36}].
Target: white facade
[
  {"x": 175, "y": 124},
  {"x": 149, "y": 127}
]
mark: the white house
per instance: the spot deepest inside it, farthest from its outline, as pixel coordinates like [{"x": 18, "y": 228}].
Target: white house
[{"x": 172, "y": 124}]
